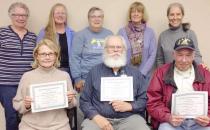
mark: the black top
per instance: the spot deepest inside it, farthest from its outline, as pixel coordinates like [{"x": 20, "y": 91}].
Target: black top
[{"x": 64, "y": 51}]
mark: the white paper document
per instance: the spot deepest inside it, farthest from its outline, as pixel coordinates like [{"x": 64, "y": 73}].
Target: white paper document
[
  {"x": 190, "y": 105},
  {"x": 117, "y": 88},
  {"x": 49, "y": 96}
]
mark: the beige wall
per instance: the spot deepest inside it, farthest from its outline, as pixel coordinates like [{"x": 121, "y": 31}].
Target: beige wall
[{"x": 197, "y": 13}]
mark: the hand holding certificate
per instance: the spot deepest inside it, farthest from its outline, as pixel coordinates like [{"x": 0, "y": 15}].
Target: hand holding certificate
[
  {"x": 117, "y": 88},
  {"x": 49, "y": 96},
  {"x": 190, "y": 105},
  {"x": 71, "y": 95}
]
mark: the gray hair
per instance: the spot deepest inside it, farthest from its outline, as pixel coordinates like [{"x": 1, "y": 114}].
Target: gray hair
[
  {"x": 93, "y": 9},
  {"x": 115, "y": 36},
  {"x": 175, "y": 5},
  {"x": 20, "y": 5}
]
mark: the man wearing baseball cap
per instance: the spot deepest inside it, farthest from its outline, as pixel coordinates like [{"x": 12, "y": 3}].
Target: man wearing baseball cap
[{"x": 181, "y": 76}]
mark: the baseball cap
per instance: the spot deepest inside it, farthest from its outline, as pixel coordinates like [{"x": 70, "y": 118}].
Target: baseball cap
[{"x": 184, "y": 43}]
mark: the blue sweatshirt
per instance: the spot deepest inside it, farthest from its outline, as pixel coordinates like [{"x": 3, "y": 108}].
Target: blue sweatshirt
[{"x": 87, "y": 49}]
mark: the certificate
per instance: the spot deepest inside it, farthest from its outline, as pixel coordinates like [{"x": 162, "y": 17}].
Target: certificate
[
  {"x": 48, "y": 96},
  {"x": 190, "y": 105},
  {"x": 117, "y": 88}
]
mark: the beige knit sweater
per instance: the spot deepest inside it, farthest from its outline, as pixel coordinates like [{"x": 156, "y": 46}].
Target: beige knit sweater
[{"x": 46, "y": 120}]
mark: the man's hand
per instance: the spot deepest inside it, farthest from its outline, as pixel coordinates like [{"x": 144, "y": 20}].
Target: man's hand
[
  {"x": 102, "y": 122},
  {"x": 27, "y": 102},
  {"x": 176, "y": 120},
  {"x": 202, "y": 120},
  {"x": 79, "y": 85},
  {"x": 121, "y": 106}
]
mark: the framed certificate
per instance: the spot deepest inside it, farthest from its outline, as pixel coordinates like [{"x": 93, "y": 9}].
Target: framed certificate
[
  {"x": 48, "y": 96},
  {"x": 117, "y": 88},
  {"x": 190, "y": 105}
]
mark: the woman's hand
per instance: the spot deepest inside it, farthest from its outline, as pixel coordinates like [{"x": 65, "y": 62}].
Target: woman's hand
[
  {"x": 71, "y": 95},
  {"x": 79, "y": 85},
  {"x": 27, "y": 102}
]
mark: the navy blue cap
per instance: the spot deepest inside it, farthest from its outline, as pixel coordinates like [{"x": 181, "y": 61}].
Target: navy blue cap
[{"x": 184, "y": 43}]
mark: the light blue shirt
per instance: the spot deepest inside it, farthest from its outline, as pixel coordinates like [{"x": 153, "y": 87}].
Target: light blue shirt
[
  {"x": 149, "y": 50},
  {"x": 69, "y": 35},
  {"x": 87, "y": 49}
]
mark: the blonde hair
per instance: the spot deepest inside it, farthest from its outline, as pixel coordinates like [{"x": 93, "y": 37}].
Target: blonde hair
[
  {"x": 50, "y": 30},
  {"x": 140, "y": 8},
  {"x": 52, "y": 46},
  {"x": 20, "y": 5}
]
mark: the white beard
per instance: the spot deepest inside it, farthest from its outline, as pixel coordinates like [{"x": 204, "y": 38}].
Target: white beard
[{"x": 114, "y": 63}]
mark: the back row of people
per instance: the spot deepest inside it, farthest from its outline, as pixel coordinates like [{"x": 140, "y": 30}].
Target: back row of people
[{"x": 82, "y": 50}]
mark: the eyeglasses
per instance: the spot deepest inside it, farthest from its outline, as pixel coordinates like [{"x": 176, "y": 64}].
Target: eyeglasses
[
  {"x": 43, "y": 55},
  {"x": 20, "y": 15},
  {"x": 94, "y": 16},
  {"x": 115, "y": 47}
]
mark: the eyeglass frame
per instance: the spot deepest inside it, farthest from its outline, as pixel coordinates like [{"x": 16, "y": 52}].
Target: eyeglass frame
[
  {"x": 94, "y": 16},
  {"x": 112, "y": 47},
  {"x": 44, "y": 55},
  {"x": 19, "y": 15}
]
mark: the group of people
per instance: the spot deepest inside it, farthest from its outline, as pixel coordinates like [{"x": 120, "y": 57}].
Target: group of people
[{"x": 83, "y": 58}]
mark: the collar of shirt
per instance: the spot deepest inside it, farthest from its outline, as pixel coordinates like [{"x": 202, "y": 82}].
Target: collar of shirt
[{"x": 184, "y": 80}]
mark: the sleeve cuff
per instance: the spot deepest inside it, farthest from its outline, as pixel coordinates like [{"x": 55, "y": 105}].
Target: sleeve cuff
[
  {"x": 76, "y": 80},
  {"x": 133, "y": 107},
  {"x": 91, "y": 115}
]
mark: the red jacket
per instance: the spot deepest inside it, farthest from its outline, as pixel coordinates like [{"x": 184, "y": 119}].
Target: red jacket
[{"x": 163, "y": 85}]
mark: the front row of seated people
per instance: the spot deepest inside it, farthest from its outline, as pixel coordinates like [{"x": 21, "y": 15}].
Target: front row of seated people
[{"x": 116, "y": 114}]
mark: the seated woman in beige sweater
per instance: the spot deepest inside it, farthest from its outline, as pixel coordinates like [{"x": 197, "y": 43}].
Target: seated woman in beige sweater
[{"x": 46, "y": 60}]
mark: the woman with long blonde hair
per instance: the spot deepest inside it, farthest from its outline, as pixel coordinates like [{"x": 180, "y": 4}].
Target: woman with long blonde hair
[{"x": 58, "y": 31}]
